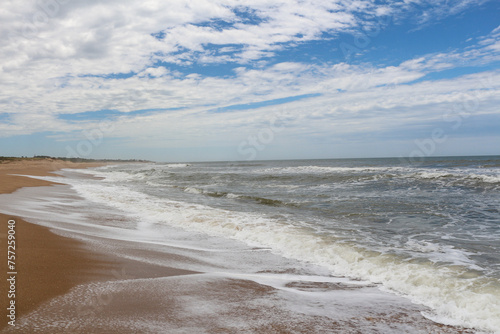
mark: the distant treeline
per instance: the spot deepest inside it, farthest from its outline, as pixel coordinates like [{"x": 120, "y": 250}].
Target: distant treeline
[{"x": 40, "y": 157}]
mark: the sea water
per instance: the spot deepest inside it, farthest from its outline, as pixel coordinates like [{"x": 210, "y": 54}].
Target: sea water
[{"x": 427, "y": 232}]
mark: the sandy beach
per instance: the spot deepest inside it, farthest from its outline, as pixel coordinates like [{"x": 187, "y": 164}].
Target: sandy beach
[
  {"x": 47, "y": 264},
  {"x": 67, "y": 277}
]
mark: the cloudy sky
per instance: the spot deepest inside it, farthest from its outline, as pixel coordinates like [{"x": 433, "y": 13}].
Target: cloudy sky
[{"x": 192, "y": 80}]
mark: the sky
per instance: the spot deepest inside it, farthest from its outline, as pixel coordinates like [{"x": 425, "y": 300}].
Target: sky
[{"x": 219, "y": 80}]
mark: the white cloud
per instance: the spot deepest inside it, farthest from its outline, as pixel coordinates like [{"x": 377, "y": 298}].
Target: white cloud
[
  {"x": 427, "y": 12},
  {"x": 92, "y": 37},
  {"x": 59, "y": 60},
  {"x": 329, "y": 118}
]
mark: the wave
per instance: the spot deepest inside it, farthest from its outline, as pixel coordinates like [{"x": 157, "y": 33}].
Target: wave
[
  {"x": 458, "y": 295},
  {"x": 255, "y": 199},
  {"x": 457, "y": 176},
  {"x": 325, "y": 170},
  {"x": 488, "y": 178},
  {"x": 176, "y": 165}
]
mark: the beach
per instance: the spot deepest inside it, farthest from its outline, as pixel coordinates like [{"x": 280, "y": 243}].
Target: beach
[
  {"x": 94, "y": 279},
  {"x": 48, "y": 265}
]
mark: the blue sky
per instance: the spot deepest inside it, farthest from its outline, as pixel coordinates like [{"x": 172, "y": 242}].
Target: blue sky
[{"x": 244, "y": 80}]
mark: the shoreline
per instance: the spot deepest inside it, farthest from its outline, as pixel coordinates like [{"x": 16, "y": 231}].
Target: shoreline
[
  {"x": 54, "y": 269},
  {"x": 47, "y": 264}
]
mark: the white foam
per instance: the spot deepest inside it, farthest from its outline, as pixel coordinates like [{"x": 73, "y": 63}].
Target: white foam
[
  {"x": 441, "y": 253},
  {"x": 191, "y": 190},
  {"x": 456, "y": 296},
  {"x": 233, "y": 196},
  {"x": 176, "y": 165},
  {"x": 488, "y": 175},
  {"x": 325, "y": 170},
  {"x": 210, "y": 303},
  {"x": 469, "y": 175},
  {"x": 443, "y": 288},
  {"x": 487, "y": 178},
  {"x": 60, "y": 208}
]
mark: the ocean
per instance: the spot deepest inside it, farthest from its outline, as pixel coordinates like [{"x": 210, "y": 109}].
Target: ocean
[{"x": 424, "y": 237}]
